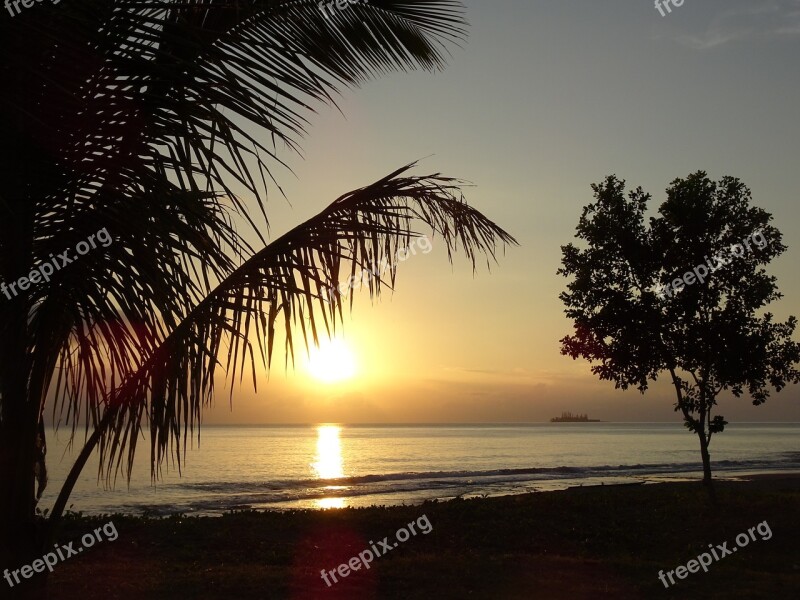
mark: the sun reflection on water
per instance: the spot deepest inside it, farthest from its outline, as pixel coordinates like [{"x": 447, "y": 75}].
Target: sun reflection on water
[
  {"x": 331, "y": 503},
  {"x": 328, "y": 463}
]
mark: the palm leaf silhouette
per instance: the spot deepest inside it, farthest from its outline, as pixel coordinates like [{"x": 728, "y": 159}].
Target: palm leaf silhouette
[
  {"x": 283, "y": 283},
  {"x": 165, "y": 121}
]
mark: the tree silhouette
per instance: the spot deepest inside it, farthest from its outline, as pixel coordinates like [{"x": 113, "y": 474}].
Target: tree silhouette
[
  {"x": 683, "y": 296},
  {"x": 160, "y": 121}
]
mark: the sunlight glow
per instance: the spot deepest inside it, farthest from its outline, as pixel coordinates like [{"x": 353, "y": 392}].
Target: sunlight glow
[
  {"x": 328, "y": 463},
  {"x": 332, "y": 361},
  {"x": 331, "y": 503}
]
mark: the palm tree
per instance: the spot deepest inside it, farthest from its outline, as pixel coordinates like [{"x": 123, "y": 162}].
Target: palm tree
[{"x": 145, "y": 117}]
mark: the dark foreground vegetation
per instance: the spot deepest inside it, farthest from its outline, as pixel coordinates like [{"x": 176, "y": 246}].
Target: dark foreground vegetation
[{"x": 599, "y": 542}]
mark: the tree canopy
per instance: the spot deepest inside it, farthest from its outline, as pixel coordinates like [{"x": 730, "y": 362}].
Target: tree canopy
[{"x": 682, "y": 293}]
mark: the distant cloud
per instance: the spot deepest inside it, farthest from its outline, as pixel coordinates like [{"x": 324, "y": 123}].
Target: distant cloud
[{"x": 761, "y": 20}]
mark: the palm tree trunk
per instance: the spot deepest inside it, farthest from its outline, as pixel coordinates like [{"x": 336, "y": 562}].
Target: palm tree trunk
[
  {"x": 21, "y": 535},
  {"x": 69, "y": 484}
]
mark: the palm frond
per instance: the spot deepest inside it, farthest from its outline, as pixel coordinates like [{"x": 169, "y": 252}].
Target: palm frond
[
  {"x": 125, "y": 89},
  {"x": 144, "y": 116},
  {"x": 235, "y": 325}
]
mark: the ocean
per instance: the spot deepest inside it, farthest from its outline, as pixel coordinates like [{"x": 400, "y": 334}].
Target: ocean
[{"x": 333, "y": 466}]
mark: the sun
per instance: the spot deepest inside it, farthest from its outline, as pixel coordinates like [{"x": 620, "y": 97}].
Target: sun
[{"x": 332, "y": 361}]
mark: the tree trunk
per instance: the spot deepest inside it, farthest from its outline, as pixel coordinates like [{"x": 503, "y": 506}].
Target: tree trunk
[
  {"x": 21, "y": 533},
  {"x": 707, "y": 480},
  {"x": 75, "y": 471}
]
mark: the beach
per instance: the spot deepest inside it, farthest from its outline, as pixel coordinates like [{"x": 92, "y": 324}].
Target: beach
[{"x": 585, "y": 542}]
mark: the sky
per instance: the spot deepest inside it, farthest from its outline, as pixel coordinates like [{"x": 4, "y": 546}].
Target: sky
[{"x": 543, "y": 99}]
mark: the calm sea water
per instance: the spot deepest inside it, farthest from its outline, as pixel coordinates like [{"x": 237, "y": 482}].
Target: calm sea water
[{"x": 330, "y": 466}]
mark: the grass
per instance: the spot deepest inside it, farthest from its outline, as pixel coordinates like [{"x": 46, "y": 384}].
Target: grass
[{"x": 600, "y": 542}]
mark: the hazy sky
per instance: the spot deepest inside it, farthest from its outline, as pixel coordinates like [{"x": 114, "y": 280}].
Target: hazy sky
[{"x": 544, "y": 99}]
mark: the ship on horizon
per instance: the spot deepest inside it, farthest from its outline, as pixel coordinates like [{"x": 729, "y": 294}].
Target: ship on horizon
[{"x": 568, "y": 417}]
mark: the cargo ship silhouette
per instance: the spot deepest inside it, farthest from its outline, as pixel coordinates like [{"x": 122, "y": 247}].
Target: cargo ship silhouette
[{"x": 568, "y": 417}]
